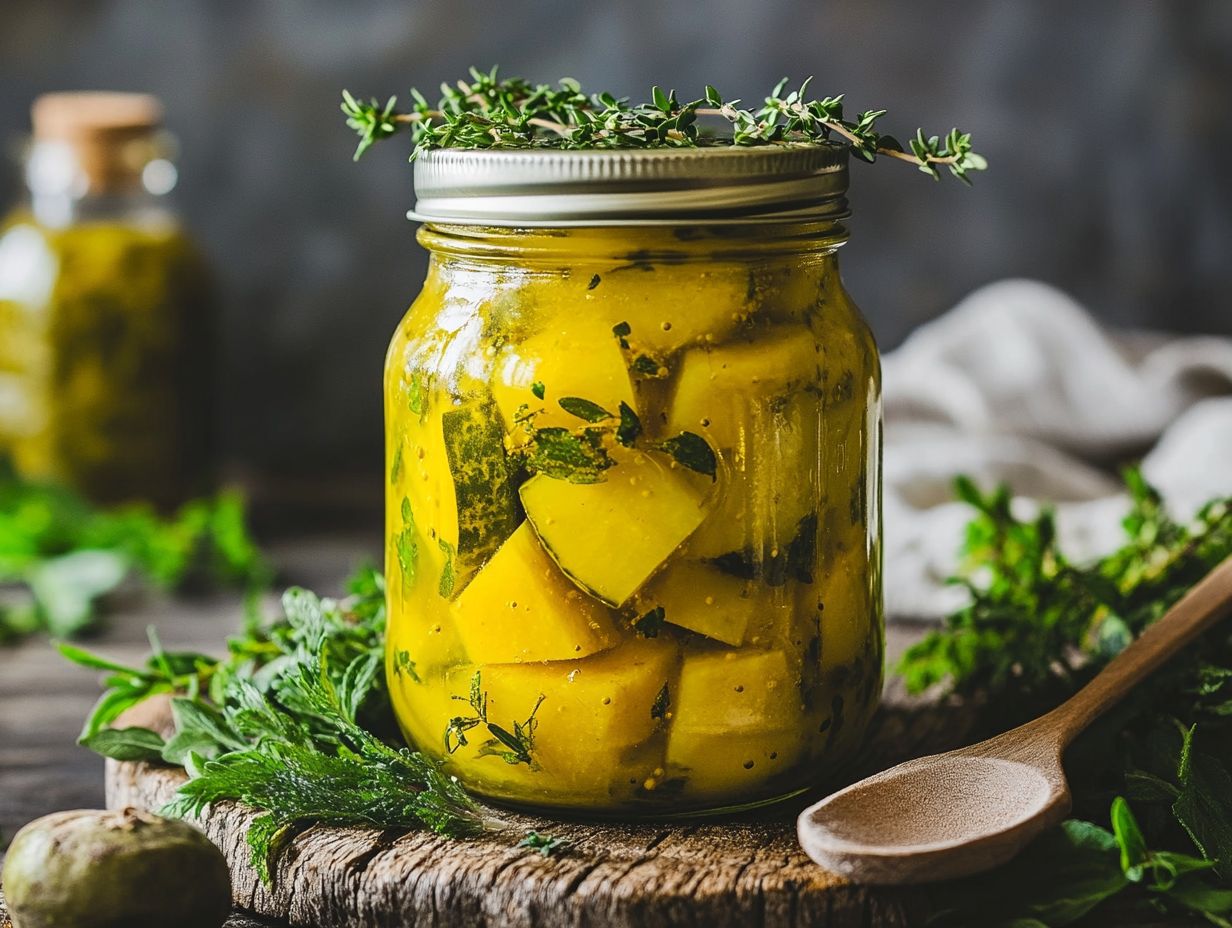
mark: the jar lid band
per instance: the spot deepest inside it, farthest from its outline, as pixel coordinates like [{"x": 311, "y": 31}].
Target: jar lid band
[{"x": 713, "y": 185}]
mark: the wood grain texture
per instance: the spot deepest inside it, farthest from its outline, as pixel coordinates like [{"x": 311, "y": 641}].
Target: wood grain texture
[{"x": 742, "y": 873}]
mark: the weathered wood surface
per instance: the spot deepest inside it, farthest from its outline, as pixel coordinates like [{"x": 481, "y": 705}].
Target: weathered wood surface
[{"x": 740, "y": 873}]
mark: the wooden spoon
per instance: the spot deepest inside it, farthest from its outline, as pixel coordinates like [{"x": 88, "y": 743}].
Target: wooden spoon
[{"x": 969, "y": 810}]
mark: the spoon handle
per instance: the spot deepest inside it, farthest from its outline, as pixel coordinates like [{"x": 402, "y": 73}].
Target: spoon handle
[{"x": 1193, "y": 614}]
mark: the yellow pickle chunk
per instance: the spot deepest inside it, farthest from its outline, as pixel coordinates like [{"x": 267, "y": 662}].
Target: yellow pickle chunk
[
  {"x": 704, "y": 599},
  {"x": 661, "y": 316},
  {"x": 716, "y": 386},
  {"x": 736, "y": 719},
  {"x": 842, "y": 597},
  {"x": 770, "y": 484},
  {"x": 610, "y": 537},
  {"x": 577, "y": 358},
  {"x": 586, "y": 715},
  {"x": 520, "y": 607}
]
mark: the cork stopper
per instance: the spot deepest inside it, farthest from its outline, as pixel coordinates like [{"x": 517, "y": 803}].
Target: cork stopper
[{"x": 111, "y": 135}]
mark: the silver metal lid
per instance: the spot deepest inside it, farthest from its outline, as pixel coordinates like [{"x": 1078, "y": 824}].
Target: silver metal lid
[{"x": 548, "y": 187}]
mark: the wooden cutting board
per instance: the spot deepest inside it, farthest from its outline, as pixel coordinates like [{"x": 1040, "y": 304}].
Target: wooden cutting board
[{"x": 740, "y": 872}]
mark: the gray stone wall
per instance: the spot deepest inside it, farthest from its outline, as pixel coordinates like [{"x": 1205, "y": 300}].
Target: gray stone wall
[{"x": 1108, "y": 124}]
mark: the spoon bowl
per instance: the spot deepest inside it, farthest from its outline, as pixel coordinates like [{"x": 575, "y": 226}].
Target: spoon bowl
[
  {"x": 955, "y": 814},
  {"x": 935, "y": 818}
]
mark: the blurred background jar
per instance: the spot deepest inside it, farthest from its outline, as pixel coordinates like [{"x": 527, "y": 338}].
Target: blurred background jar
[{"x": 104, "y": 320}]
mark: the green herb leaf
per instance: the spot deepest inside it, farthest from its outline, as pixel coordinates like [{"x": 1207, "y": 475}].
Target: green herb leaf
[
  {"x": 692, "y": 451},
  {"x": 446, "y": 584},
  {"x": 565, "y": 455},
  {"x": 650, "y": 624},
  {"x": 646, "y": 366},
  {"x": 544, "y": 844},
  {"x": 630, "y": 425},
  {"x": 622, "y": 330},
  {"x": 538, "y": 389},
  {"x": 659, "y": 709},
  {"x": 404, "y": 665},
  {"x": 126, "y": 744},
  {"x": 584, "y": 409}
]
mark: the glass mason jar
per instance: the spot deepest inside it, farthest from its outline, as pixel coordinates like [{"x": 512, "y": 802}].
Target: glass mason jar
[
  {"x": 104, "y": 332},
  {"x": 633, "y": 480}
]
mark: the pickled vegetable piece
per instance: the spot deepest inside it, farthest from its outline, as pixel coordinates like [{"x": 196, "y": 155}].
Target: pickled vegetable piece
[
  {"x": 851, "y": 442},
  {"x": 459, "y": 481},
  {"x": 846, "y": 609},
  {"x": 716, "y": 387},
  {"x": 483, "y": 485},
  {"x": 424, "y": 707},
  {"x": 703, "y": 599},
  {"x": 593, "y": 710},
  {"x": 576, "y": 358},
  {"x": 731, "y": 711},
  {"x": 610, "y": 537},
  {"x": 731, "y": 690},
  {"x": 520, "y": 607},
  {"x": 732, "y": 763},
  {"x": 769, "y": 485},
  {"x": 662, "y": 319}
]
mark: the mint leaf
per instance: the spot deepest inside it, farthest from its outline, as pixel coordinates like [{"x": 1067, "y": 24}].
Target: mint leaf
[{"x": 126, "y": 744}]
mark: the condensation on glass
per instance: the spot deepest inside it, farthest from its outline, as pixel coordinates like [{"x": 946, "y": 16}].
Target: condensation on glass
[{"x": 633, "y": 480}]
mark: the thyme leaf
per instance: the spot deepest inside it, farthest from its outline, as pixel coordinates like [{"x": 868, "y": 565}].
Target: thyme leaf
[
  {"x": 691, "y": 450},
  {"x": 584, "y": 409}
]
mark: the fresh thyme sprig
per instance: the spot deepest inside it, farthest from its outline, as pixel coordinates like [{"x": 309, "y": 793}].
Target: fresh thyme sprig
[{"x": 487, "y": 111}]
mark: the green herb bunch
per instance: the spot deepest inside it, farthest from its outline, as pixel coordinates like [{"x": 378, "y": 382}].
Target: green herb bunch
[
  {"x": 487, "y": 111},
  {"x": 295, "y": 722},
  {"x": 1038, "y": 626},
  {"x": 59, "y": 554}
]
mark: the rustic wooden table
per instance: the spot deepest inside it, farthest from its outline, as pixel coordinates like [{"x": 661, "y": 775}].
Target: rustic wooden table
[{"x": 43, "y": 699}]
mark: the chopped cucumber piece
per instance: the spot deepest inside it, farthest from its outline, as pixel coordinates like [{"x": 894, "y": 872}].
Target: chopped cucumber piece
[
  {"x": 845, "y": 604},
  {"x": 704, "y": 599},
  {"x": 662, "y": 318},
  {"x": 485, "y": 507},
  {"x": 735, "y": 718},
  {"x": 460, "y": 486},
  {"x": 718, "y": 389},
  {"x": 594, "y": 711},
  {"x": 520, "y": 607},
  {"x": 610, "y": 537},
  {"x": 732, "y": 763},
  {"x": 768, "y": 485},
  {"x": 579, "y": 358},
  {"x": 736, "y": 691}
]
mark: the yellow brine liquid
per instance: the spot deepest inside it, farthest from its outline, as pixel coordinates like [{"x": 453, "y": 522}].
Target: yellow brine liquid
[{"x": 632, "y": 524}]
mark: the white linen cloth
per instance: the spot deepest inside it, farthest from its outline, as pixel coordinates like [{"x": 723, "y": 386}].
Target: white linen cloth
[{"x": 1018, "y": 384}]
